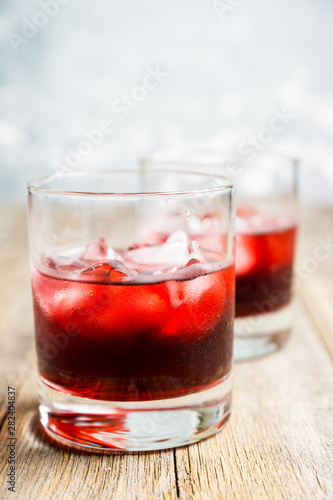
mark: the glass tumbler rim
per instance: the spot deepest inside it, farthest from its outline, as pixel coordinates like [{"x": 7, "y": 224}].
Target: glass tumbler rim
[{"x": 35, "y": 185}]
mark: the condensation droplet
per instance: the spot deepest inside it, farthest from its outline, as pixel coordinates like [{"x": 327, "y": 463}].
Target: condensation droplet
[
  {"x": 53, "y": 237},
  {"x": 188, "y": 214}
]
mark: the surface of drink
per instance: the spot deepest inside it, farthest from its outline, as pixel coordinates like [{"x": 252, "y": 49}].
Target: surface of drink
[
  {"x": 265, "y": 248},
  {"x": 117, "y": 328}
]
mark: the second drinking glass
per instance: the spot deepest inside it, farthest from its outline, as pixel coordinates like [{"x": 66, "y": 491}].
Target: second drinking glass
[{"x": 266, "y": 227}]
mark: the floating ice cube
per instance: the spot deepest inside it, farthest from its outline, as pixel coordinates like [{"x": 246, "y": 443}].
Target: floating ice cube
[
  {"x": 61, "y": 264},
  {"x": 194, "y": 224},
  {"x": 48, "y": 262},
  {"x": 114, "y": 270},
  {"x": 97, "y": 250},
  {"x": 202, "y": 226},
  {"x": 249, "y": 220},
  {"x": 174, "y": 253},
  {"x": 192, "y": 262},
  {"x": 168, "y": 254},
  {"x": 246, "y": 254},
  {"x": 193, "y": 247},
  {"x": 178, "y": 237},
  {"x": 242, "y": 225}
]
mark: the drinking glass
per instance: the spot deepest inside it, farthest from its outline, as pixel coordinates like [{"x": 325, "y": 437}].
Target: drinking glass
[
  {"x": 133, "y": 288},
  {"x": 266, "y": 228}
]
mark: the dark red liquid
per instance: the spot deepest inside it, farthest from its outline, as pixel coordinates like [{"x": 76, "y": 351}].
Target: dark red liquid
[
  {"x": 264, "y": 263},
  {"x": 130, "y": 342}
]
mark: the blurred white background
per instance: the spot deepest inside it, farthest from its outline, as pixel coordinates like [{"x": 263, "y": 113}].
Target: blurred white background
[{"x": 226, "y": 70}]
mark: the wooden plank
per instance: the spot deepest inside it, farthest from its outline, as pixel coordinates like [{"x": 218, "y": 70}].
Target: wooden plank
[
  {"x": 278, "y": 443},
  {"x": 279, "y": 439},
  {"x": 316, "y": 268}
]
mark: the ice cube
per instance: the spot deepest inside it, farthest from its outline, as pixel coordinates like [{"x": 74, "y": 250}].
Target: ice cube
[
  {"x": 169, "y": 256},
  {"x": 197, "y": 306},
  {"x": 194, "y": 224},
  {"x": 193, "y": 261},
  {"x": 178, "y": 237},
  {"x": 246, "y": 254},
  {"x": 114, "y": 270},
  {"x": 165, "y": 270},
  {"x": 172, "y": 253},
  {"x": 249, "y": 219},
  {"x": 48, "y": 262},
  {"x": 62, "y": 264},
  {"x": 188, "y": 248},
  {"x": 242, "y": 225},
  {"x": 193, "y": 247},
  {"x": 209, "y": 223},
  {"x": 97, "y": 250}
]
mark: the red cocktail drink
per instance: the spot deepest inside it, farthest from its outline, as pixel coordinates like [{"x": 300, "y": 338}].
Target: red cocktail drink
[
  {"x": 265, "y": 248},
  {"x": 105, "y": 335}
]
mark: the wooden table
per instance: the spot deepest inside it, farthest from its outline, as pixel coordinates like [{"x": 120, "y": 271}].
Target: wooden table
[{"x": 278, "y": 443}]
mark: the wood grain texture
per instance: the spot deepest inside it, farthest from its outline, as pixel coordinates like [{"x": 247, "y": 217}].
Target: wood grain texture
[
  {"x": 277, "y": 445},
  {"x": 280, "y": 435},
  {"x": 316, "y": 288}
]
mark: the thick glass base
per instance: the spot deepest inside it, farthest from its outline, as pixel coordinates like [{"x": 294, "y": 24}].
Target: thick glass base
[
  {"x": 262, "y": 334},
  {"x": 134, "y": 426}
]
